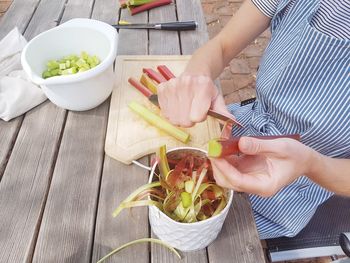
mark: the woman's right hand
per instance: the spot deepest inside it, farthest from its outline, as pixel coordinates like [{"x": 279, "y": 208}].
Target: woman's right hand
[{"x": 186, "y": 100}]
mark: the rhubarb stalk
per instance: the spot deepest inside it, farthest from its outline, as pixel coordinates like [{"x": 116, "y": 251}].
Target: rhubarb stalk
[
  {"x": 158, "y": 122},
  {"x": 156, "y": 76},
  {"x": 149, "y": 83},
  {"x": 165, "y": 71},
  {"x": 138, "y": 2},
  {"x": 141, "y": 8},
  {"x": 140, "y": 87},
  {"x": 218, "y": 148}
]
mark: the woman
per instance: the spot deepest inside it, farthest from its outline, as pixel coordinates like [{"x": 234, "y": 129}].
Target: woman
[{"x": 302, "y": 87}]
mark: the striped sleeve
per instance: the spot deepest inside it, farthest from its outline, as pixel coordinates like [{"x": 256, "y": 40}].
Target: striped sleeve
[{"x": 267, "y": 7}]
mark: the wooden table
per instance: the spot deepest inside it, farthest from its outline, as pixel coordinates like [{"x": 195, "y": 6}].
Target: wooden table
[{"x": 58, "y": 188}]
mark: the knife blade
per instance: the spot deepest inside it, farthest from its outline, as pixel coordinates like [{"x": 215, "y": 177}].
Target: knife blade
[
  {"x": 172, "y": 26},
  {"x": 154, "y": 99}
]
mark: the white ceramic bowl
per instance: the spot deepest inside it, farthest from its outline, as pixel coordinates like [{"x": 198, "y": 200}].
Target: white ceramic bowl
[
  {"x": 186, "y": 236},
  {"x": 81, "y": 91}
]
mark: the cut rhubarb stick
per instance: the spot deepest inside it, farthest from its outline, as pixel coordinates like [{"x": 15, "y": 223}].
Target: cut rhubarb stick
[
  {"x": 149, "y": 83},
  {"x": 139, "y": 2},
  {"x": 153, "y": 4},
  {"x": 158, "y": 122},
  {"x": 165, "y": 71},
  {"x": 156, "y": 76},
  {"x": 140, "y": 87},
  {"x": 218, "y": 148}
]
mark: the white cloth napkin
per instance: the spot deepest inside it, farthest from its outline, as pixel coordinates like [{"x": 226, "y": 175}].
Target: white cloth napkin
[{"x": 17, "y": 93}]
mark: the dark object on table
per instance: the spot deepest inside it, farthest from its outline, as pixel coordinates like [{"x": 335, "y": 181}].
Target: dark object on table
[{"x": 172, "y": 26}]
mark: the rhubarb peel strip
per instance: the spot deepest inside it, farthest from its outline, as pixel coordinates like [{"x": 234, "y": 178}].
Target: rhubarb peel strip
[{"x": 141, "y": 240}]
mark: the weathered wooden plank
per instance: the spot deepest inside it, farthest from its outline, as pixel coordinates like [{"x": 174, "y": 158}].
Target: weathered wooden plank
[
  {"x": 47, "y": 15},
  {"x": 27, "y": 177},
  {"x": 133, "y": 42},
  {"x": 162, "y": 255},
  {"x": 167, "y": 43},
  {"x": 106, "y": 11},
  {"x": 19, "y": 14},
  {"x": 76, "y": 178},
  {"x": 119, "y": 180},
  {"x": 25, "y": 182},
  {"x": 238, "y": 240},
  {"x": 163, "y": 42},
  {"x": 8, "y": 135},
  {"x": 191, "y": 40},
  {"x": 67, "y": 228},
  {"x": 77, "y": 8}
]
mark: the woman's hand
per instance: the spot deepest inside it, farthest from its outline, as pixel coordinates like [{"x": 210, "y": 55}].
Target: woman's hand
[
  {"x": 265, "y": 166},
  {"x": 186, "y": 100}
]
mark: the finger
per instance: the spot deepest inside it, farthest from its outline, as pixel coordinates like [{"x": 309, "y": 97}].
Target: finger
[
  {"x": 226, "y": 173},
  {"x": 202, "y": 98},
  {"x": 199, "y": 108},
  {"x": 162, "y": 97},
  {"x": 169, "y": 97},
  {"x": 220, "y": 179},
  {"x": 253, "y": 146},
  {"x": 253, "y": 183}
]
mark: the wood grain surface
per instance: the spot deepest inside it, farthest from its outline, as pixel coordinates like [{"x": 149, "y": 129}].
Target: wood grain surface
[
  {"x": 129, "y": 137},
  {"x": 58, "y": 188}
]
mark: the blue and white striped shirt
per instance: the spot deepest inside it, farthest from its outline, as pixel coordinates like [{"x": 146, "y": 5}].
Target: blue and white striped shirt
[
  {"x": 303, "y": 86},
  {"x": 331, "y": 18}
]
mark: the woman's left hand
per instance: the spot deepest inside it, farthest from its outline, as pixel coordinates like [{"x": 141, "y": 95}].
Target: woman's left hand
[{"x": 265, "y": 166}]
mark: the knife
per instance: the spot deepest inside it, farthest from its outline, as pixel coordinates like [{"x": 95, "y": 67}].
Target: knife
[
  {"x": 154, "y": 99},
  {"x": 172, "y": 26}
]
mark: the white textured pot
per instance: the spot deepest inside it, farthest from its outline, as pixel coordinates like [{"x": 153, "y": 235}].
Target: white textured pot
[{"x": 187, "y": 236}]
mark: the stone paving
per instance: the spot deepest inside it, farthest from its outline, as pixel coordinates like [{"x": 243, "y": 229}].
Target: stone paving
[{"x": 238, "y": 79}]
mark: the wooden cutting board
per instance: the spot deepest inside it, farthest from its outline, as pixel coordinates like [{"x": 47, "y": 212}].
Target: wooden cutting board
[{"x": 129, "y": 137}]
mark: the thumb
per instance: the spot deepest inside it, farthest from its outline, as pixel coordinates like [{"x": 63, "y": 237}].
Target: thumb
[{"x": 253, "y": 146}]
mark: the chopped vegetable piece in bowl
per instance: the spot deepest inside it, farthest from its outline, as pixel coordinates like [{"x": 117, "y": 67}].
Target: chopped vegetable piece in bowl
[{"x": 71, "y": 64}]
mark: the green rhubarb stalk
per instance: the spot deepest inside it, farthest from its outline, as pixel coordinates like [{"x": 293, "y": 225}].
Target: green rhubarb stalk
[
  {"x": 141, "y": 240},
  {"x": 219, "y": 148},
  {"x": 214, "y": 148},
  {"x": 138, "y": 2},
  {"x": 158, "y": 122}
]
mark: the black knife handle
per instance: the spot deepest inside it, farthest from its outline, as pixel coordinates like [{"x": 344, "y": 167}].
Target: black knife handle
[{"x": 177, "y": 26}]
